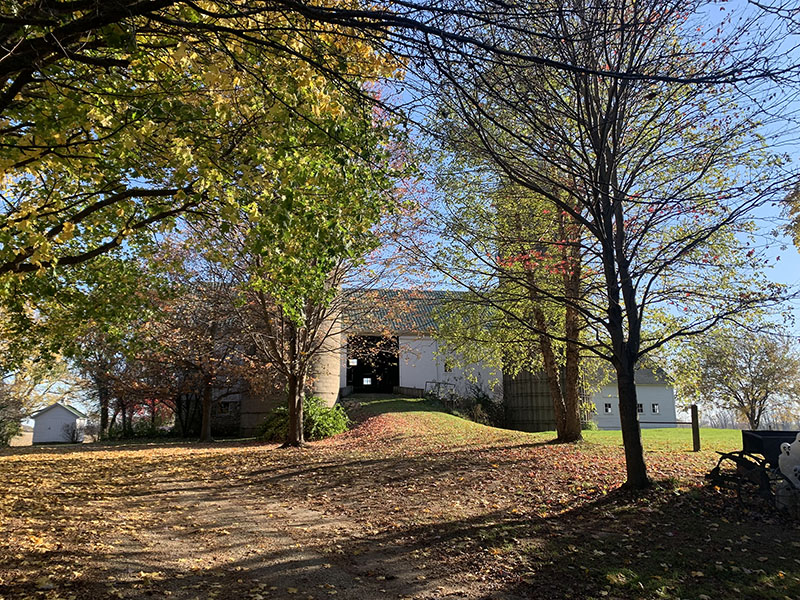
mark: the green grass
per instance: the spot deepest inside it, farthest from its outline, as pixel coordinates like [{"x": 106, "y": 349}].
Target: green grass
[
  {"x": 674, "y": 438},
  {"x": 369, "y": 406},
  {"x": 669, "y": 439}
]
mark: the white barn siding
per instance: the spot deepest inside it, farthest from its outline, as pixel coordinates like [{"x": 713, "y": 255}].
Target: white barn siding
[
  {"x": 419, "y": 364},
  {"x": 648, "y": 394},
  {"x": 417, "y": 361}
]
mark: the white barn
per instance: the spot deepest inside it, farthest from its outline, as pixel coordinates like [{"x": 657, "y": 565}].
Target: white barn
[
  {"x": 389, "y": 345},
  {"x": 655, "y": 397},
  {"x": 398, "y": 329},
  {"x": 58, "y": 423},
  {"x": 386, "y": 342}
]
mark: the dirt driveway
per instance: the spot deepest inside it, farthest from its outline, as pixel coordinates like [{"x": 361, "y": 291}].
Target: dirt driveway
[{"x": 188, "y": 522}]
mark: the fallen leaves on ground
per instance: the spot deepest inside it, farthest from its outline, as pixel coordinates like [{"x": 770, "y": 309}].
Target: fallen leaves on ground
[{"x": 410, "y": 498}]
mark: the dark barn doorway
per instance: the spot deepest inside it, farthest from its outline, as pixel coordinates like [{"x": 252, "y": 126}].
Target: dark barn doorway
[{"x": 373, "y": 363}]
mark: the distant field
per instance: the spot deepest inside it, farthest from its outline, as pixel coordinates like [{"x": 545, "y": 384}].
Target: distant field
[{"x": 23, "y": 439}]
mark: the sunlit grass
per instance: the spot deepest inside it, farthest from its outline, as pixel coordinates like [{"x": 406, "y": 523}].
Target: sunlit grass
[{"x": 662, "y": 439}]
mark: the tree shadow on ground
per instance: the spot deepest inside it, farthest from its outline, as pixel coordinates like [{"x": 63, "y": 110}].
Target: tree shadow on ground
[
  {"x": 428, "y": 518},
  {"x": 663, "y": 543},
  {"x": 363, "y": 406}
]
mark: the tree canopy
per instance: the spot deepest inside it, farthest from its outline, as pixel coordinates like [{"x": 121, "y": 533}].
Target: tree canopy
[
  {"x": 157, "y": 111},
  {"x": 662, "y": 176},
  {"x": 751, "y": 372}
]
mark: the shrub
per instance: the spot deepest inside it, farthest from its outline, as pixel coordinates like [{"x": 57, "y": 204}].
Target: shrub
[
  {"x": 478, "y": 414},
  {"x": 319, "y": 421},
  {"x": 10, "y": 416},
  {"x": 71, "y": 433},
  {"x": 589, "y": 425},
  {"x": 478, "y": 406},
  {"x": 140, "y": 428},
  {"x": 488, "y": 410},
  {"x": 275, "y": 426},
  {"x": 9, "y": 428}
]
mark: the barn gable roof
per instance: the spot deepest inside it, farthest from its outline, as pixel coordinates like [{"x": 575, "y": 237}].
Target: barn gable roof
[{"x": 395, "y": 311}]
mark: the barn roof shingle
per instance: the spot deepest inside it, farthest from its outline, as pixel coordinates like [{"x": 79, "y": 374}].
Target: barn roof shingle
[{"x": 395, "y": 311}]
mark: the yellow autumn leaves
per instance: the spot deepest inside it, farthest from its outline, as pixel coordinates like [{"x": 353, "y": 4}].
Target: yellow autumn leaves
[{"x": 191, "y": 111}]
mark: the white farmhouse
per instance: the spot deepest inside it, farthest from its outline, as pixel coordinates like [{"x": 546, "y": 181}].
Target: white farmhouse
[{"x": 58, "y": 423}]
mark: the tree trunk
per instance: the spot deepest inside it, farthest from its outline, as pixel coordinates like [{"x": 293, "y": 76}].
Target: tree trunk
[
  {"x": 753, "y": 418},
  {"x": 631, "y": 434},
  {"x": 572, "y": 329},
  {"x": 124, "y": 414},
  {"x": 568, "y": 425},
  {"x": 181, "y": 419},
  {"x": 626, "y": 351},
  {"x": 572, "y": 396},
  {"x": 205, "y": 423},
  {"x": 102, "y": 394},
  {"x": 294, "y": 434},
  {"x": 553, "y": 384},
  {"x": 131, "y": 410}
]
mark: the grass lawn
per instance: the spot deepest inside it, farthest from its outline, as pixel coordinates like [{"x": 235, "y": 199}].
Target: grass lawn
[
  {"x": 411, "y": 503},
  {"x": 674, "y": 438}
]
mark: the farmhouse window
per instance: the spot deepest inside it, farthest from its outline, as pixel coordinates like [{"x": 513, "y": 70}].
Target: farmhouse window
[
  {"x": 367, "y": 381},
  {"x": 655, "y": 408},
  {"x": 640, "y": 408},
  {"x": 352, "y": 362},
  {"x": 607, "y": 409}
]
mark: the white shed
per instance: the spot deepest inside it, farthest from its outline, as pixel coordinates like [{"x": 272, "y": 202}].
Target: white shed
[{"x": 58, "y": 423}]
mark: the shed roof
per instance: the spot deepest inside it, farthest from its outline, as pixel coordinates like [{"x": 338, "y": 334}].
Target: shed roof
[
  {"x": 71, "y": 409},
  {"x": 650, "y": 375},
  {"x": 646, "y": 375}
]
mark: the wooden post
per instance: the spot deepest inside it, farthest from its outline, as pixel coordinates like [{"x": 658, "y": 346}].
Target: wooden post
[{"x": 695, "y": 429}]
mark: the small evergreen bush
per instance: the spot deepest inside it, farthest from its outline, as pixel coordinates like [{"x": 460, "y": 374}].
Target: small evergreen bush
[
  {"x": 10, "y": 416},
  {"x": 319, "y": 421}
]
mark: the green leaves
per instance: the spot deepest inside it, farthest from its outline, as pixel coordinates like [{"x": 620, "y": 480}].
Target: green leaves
[
  {"x": 749, "y": 371},
  {"x": 186, "y": 125}
]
